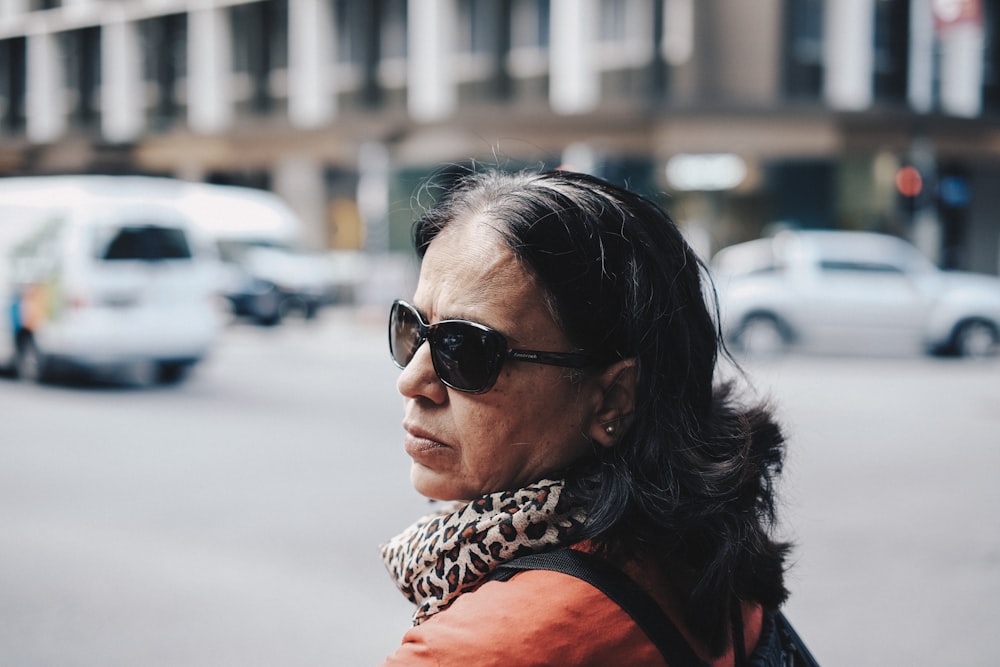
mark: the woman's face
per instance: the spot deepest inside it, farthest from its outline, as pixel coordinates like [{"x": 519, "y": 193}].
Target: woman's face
[{"x": 533, "y": 421}]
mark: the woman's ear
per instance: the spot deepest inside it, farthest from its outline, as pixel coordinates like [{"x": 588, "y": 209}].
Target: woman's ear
[{"x": 617, "y": 383}]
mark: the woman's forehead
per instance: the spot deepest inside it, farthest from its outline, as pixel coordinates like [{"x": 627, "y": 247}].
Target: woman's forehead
[
  {"x": 470, "y": 273},
  {"x": 470, "y": 264}
]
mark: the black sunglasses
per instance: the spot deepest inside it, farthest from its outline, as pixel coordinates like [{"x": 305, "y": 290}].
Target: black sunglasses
[{"x": 466, "y": 356}]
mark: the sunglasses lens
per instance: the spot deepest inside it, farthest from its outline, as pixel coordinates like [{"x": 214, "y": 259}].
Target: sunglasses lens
[
  {"x": 404, "y": 334},
  {"x": 467, "y": 357}
]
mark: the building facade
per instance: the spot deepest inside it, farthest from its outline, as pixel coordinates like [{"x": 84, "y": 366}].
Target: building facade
[{"x": 739, "y": 116}]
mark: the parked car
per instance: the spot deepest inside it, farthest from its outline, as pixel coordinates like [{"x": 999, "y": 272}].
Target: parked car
[
  {"x": 840, "y": 291},
  {"x": 266, "y": 281},
  {"x": 265, "y": 274},
  {"x": 102, "y": 274}
]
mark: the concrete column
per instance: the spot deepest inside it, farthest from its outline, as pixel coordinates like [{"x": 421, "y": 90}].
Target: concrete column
[
  {"x": 579, "y": 156},
  {"x": 574, "y": 81},
  {"x": 925, "y": 226},
  {"x": 921, "y": 72},
  {"x": 11, "y": 8},
  {"x": 373, "y": 194},
  {"x": 311, "y": 45},
  {"x": 962, "y": 70},
  {"x": 849, "y": 53},
  {"x": 298, "y": 179},
  {"x": 46, "y": 96},
  {"x": 191, "y": 170},
  {"x": 121, "y": 86},
  {"x": 76, "y": 5},
  {"x": 678, "y": 31},
  {"x": 431, "y": 93},
  {"x": 209, "y": 70}
]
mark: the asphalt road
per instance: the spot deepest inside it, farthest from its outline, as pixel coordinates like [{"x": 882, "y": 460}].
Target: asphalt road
[{"x": 234, "y": 519}]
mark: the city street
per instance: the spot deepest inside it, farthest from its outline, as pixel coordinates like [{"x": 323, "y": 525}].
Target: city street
[{"x": 234, "y": 519}]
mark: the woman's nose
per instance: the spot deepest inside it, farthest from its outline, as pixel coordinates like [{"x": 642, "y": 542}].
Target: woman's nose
[{"x": 419, "y": 379}]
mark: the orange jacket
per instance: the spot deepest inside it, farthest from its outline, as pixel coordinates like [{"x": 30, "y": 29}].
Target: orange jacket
[{"x": 537, "y": 618}]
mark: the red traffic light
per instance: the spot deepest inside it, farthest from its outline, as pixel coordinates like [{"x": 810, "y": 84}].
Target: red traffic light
[{"x": 908, "y": 181}]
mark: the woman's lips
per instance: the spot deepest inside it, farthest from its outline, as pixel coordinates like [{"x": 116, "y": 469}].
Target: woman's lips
[{"x": 418, "y": 442}]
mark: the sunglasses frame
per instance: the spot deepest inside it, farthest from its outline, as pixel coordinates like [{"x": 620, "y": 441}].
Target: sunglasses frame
[{"x": 426, "y": 331}]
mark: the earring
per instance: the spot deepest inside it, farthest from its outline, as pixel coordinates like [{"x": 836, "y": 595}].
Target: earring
[{"x": 610, "y": 429}]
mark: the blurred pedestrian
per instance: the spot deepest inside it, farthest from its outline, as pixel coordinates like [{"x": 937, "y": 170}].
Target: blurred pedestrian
[{"x": 559, "y": 380}]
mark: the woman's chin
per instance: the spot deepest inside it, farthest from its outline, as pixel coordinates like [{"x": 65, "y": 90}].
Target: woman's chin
[{"x": 434, "y": 485}]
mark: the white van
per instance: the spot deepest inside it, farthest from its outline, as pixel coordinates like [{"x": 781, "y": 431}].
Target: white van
[{"x": 103, "y": 272}]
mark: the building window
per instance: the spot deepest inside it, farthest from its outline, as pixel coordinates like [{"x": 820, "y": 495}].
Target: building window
[
  {"x": 371, "y": 47},
  {"x": 81, "y": 51},
  {"x": 259, "y": 179},
  {"x": 260, "y": 53},
  {"x": 802, "y": 192},
  {"x": 483, "y": 47},
  {"x": 349, "y": 53},
  {"x": 361, "y": 29},
  {"x": 349, "y": 30},
  {"x": 164, "y": 57},
  {"x": 528, "y": 57},
  {"x": 13, "y": 84},
  {"x": 392, "y": 45},
  {"x": 476, "y": 31},
  {"x": 991, "y": 57},
  {"x": 626, "y": 35},
  {"x": 475, "y": 40},
  {"x": 803, "y": 49},
  {"x": 892, "y": 29},
  {"x": 530, "y": 24},
  {"x": 611, "y": 27},
  {"x": 393, "y": 31}
]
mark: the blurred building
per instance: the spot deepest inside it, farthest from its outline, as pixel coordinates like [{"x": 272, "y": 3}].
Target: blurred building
[{"x": 740, "y": 116}]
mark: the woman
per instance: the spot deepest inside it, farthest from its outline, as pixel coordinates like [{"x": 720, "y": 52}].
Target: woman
[{"x": 558, "y": 365}]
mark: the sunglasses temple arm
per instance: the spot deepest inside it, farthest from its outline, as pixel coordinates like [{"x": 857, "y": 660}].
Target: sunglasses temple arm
[{"x": 567, "y": 359}]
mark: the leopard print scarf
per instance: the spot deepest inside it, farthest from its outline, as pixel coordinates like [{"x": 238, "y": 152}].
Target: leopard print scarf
[{"x": 452, "y": 551}]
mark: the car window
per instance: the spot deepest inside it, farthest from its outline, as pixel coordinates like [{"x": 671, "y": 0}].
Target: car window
[
  {"x": 234, "y": 250},
  {"x": 42, "y": 241},
  {"x": 765, "y": 269},
  {"x": 37, "y": 255},
  {"x": 747, "y": 259},
  {"x": 147, "y": 243},
  {"x": 833, "y": 265}
]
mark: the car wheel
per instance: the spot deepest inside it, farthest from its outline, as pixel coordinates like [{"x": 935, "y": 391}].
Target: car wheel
[
  {"x": 267, "y": 308},
  {"x": 172, "y": 372},
  {"x": 30, "y": 364},
  {"x": 976, "y": 339},
  {"x": 292, "y": 304},
  {"x": 272, "y": 320},
  {"x": 762, "y": 336}
]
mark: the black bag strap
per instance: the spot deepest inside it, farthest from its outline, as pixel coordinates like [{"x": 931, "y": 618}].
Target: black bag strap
[
  {"x": 619, "y": 588},
  {"x": 792, "y": 645},
  {"x": 779, "y": 644}
]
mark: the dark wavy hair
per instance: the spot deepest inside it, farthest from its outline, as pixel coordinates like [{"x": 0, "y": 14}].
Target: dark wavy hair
[{"x": 690, "y": 483}]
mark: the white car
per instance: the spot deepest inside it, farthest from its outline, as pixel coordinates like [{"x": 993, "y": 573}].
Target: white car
[
  {"x": 851, "y": 292},
  {"x": 265, "y": 274},
  {"x": 266, "y": 281}
]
